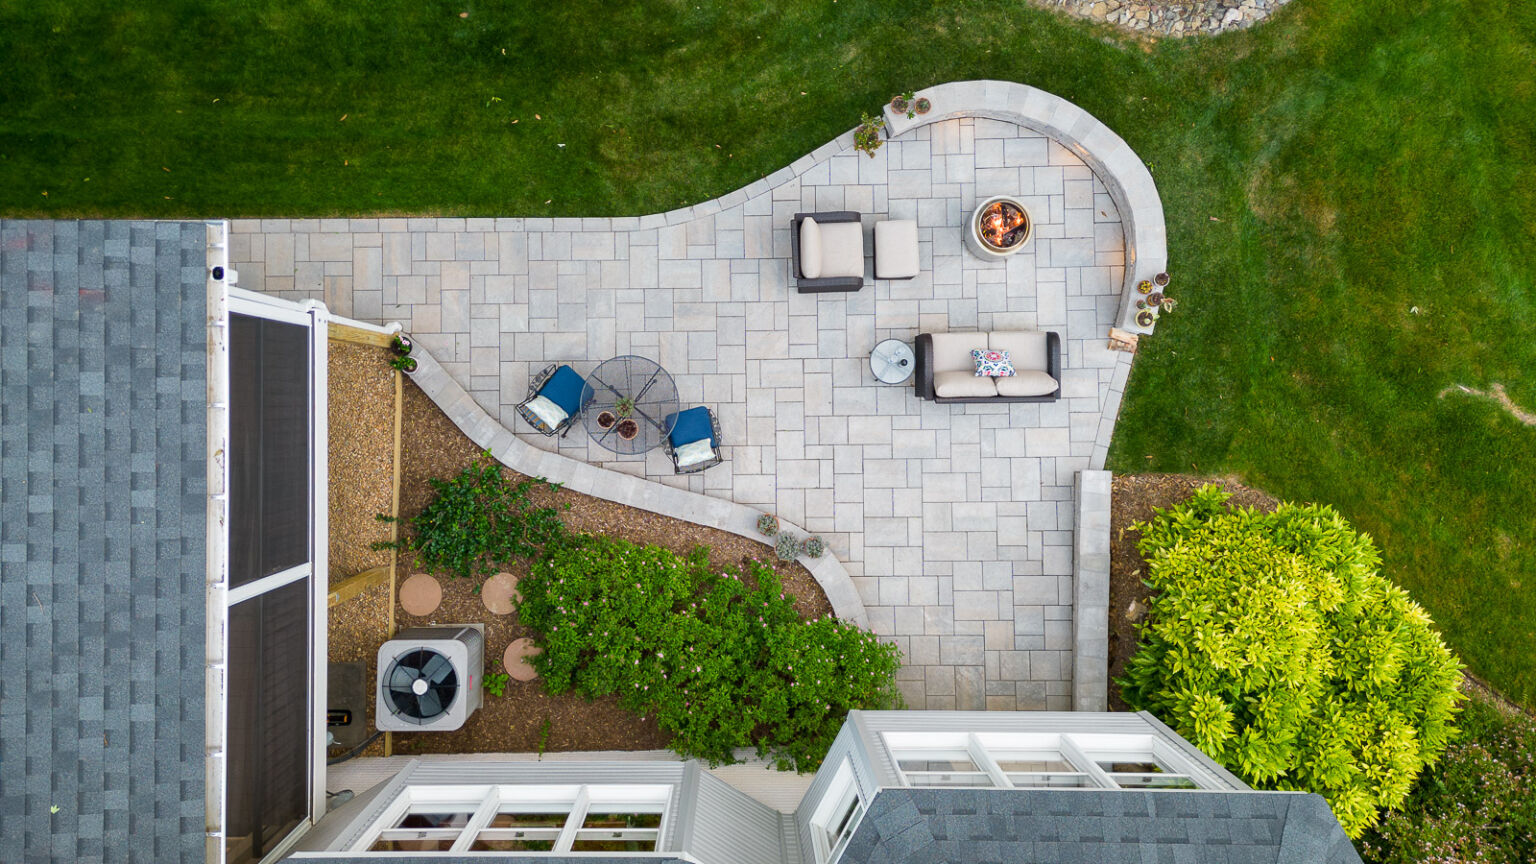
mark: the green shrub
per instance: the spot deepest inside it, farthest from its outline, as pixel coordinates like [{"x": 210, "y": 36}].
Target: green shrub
[
  {"x": 478, "y": 522},
  {"x": 1477, "y": 804},
  {"x": 719, "y": 663},
  {"x": 1274, "y": 645}
]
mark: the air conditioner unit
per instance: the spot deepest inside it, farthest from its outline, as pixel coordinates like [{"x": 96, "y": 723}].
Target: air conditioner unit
[{"x": 430, "y": 678}]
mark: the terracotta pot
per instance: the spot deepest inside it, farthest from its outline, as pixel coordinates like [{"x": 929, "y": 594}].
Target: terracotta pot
[
  {"x": 628, "y": 429},
  {"x": 606, "y": 419},
  {"x": 924, "y": 106},
  {"x": 900, "y": 106}
]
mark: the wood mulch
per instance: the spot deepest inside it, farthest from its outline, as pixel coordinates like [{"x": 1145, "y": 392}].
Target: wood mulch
[
  {"x": 525, "y": 719},
  {"x": 1133, "y": 498}
]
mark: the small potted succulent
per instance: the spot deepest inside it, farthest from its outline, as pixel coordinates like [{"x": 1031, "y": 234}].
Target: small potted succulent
[
  {"x": 904, "y": 103},
  {"x": 923, "y": 105},
  {"x": 767, "y": 524},
  {"x": 624, "y": 407},
  {"x": 606, "y": 419},
  {"x": 402, "y": 344},
  {"x": 628, "y": 429},
  {"x": 866, "y": 138},
  {"x": 786, "y": 546},
  {"x": 813, "y": 547}
]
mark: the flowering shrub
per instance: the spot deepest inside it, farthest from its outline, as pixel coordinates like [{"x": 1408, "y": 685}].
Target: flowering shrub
[
  {"x": 719, "y": 662},
  {"x": 1275, "y": 646},
  {"x": 1476, "y": 805},
  {"x": 479, "y": 521}
]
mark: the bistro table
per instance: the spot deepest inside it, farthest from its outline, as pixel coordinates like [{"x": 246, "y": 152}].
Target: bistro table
[
  {"x": 652, "y": 396},
  {"x": 891, "y": 361}
]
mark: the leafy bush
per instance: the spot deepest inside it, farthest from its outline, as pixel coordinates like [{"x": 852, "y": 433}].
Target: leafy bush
[
  {"x": 719, "y": 662},
  {"x": 478, "y": 522},
  {"x": 1275, "y": 646},
  {"x": 1476, "y": 805}
]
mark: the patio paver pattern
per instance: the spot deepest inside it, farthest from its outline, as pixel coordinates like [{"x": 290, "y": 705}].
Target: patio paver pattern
[{"x": 955, "y": 521}]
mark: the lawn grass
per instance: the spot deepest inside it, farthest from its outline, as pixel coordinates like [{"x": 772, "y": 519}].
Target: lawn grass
[{"x": 1322, "y": 174}]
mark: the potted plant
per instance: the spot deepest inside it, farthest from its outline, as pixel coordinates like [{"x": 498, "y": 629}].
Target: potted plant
[
  {"x": 402, "y": 344},
  {"x": 403, "y": 363},
  {"x": 1155, "y": 299},
  {"x": 767, "y": 524},
  {"x": 786, "y": 546},
  {"x": 903, "y": 104},
  {"x": 813, "y": 547},
  {"x": 1144, "y": 286},
  {"x": 1169, "y": 304},
  {"x": 1144, "y": 318},
  {"x": 624, "y": 407},
  {"x": 606, "y": 419},
  {"x": 628, "y": 429},
  {"x": 924, "y": 106},
  {"x": 1161, "y": 280},
  {"x": 866, "y": 138}
]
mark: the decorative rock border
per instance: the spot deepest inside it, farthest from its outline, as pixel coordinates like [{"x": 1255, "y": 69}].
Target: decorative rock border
[
  {"x": 1193, "y": 18},
  {"x": 1127, "y": 179},
  {"x": 616, "y": 486},
  {"x": 1090, "y": 593}
]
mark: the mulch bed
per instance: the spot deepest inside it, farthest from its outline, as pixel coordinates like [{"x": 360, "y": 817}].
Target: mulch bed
[
  {"x": 1133, "y": 498},
  {"x": 525, "y": 719}
]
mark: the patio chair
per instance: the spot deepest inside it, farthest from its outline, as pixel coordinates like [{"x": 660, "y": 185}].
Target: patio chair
[
  {"x": 827, "y": 251},
  {"x": 694, "y": 443},
  {"x": 554, "y": 400}
]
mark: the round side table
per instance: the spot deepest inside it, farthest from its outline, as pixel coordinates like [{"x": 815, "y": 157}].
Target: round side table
[{"x": 892, "y": 361}]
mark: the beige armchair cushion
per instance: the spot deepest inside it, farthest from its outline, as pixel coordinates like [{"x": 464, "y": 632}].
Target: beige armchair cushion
[
  {"x": 1027, "y": 382},
  {"x": 842, "y": 250},
  {"x": 952, "y": 352},
  {"x": 963, "y": 383},
  {"x": 896, "y": 249},
  {"x": 1025, "y": 347},
  {"x": 810, "y": 248}
]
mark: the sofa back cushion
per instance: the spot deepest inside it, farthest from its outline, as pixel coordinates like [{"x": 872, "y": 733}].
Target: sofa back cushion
[
  {"x": 810, "y": 249},
  {"x": 952, "y": 351},
  {"x": 1025, "y": 347}
]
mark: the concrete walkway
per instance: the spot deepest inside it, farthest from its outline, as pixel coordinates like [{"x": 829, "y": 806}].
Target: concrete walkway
[{"x": 955, "y": 521}]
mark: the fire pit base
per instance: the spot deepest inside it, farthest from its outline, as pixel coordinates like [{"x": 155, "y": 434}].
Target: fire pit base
[{"x": 1001, "y": 214}]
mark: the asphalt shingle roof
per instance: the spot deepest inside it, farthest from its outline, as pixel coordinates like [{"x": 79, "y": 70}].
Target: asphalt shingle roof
[
  {"x": 1040, "y": 826},
  {"x": 102, "y": 531}
]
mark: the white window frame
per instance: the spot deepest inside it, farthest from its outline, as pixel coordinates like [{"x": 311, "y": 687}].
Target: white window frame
[
  {"x": 1080, "y": 751},
  {"x": 842, "y": 793},
  {"x": 484, "y": 802}
]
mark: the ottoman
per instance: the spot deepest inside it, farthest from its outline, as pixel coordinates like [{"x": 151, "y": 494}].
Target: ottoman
[{"x": 896, "y": 249}]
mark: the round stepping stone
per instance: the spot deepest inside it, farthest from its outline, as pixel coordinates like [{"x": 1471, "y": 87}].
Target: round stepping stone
[
  {"x": 499, "y": 593},
  {"x": 420, "y": 595},
  {"x": 516, "y": 659}
]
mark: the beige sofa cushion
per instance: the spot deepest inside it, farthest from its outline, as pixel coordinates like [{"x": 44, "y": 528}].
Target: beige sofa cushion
[
  {"x": 952, "y": 352},
  {"x": 1028, "y": 382},
  {"x": 842, "y": 249},
  {"x": 1025, "y": 347},
  {"x": 810, "y": 249},
  {"x": 962, "y": 384}
]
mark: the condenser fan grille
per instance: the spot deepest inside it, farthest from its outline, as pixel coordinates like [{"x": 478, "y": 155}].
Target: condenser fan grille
[{"x": 421, "y": 685}]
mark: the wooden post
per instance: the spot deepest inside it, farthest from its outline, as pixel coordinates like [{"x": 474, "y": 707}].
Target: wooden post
[{"x": 394, "y": 528}]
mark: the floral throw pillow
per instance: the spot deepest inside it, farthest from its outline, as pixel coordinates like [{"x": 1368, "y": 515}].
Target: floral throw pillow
[{"x": 992, "y": 364}]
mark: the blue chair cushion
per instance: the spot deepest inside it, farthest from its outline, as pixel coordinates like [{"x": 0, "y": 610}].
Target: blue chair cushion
[
  {"x": 692, "y": 425},
  {"x": 564, "y": 389}
]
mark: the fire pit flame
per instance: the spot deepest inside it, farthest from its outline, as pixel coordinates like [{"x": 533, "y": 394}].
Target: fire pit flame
[{"x": 1003, "y": 224}]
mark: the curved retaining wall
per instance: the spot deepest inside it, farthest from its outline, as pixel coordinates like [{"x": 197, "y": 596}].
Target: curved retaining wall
[
  {"x": 1129, "y": 182},
  {"x": 626, "y": 489}
]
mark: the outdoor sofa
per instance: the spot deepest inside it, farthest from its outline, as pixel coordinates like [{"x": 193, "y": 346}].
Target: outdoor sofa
[{"x": 946, "y": 369}]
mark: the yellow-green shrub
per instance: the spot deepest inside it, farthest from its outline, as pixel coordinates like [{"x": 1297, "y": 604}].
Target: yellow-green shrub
[{"x": 1275, "y": 646}]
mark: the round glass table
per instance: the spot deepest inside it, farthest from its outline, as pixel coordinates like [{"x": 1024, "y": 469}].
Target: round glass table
[
  {"x": 637, "y": 400},
  {"x": 892, "y": 361}
]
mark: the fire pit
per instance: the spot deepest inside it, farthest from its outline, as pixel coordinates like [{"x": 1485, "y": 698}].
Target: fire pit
[{"x": 999, "y": 227}]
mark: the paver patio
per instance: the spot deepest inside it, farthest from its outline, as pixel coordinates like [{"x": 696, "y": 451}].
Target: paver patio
[{"x": 954, "y": 520}]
